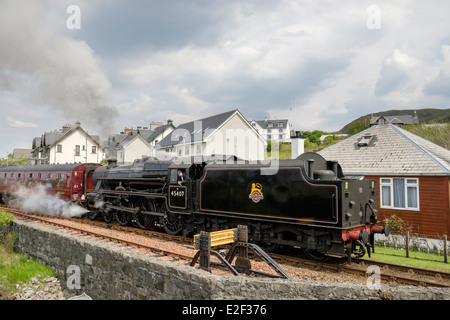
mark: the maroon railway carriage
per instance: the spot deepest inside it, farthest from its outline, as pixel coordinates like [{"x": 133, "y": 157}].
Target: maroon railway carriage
[{"x": 69, "y": 181}]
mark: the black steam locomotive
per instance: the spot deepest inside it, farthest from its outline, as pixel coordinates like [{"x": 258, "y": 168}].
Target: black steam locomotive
[{"x": 306, "y": 202}]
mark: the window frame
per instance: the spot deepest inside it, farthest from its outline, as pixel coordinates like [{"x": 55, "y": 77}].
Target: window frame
[{"x": 407, "y": 184}]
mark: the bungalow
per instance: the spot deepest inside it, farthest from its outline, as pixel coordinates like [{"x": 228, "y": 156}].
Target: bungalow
[{"x": 412, "y": 174}]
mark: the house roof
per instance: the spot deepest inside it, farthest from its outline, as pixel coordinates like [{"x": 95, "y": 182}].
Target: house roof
[
  {"x": 199, "y": 130},
  {"x": 389, "y": 150},
  {"x": 56, "y": 137},
  {"x": 405, "y": 119},
  {"x": 130, "y": 138},
  {"x": 264, "y": 124},
  {"x": 157, "y": 131}
]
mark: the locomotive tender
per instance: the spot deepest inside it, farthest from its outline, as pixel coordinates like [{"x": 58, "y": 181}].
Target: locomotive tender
[{"x": 306, "y": 202}]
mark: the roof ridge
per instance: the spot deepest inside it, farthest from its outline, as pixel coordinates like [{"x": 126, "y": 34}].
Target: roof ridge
[
  {"x": 431, "y": 155},
  {"x": 215, "y": 115}
]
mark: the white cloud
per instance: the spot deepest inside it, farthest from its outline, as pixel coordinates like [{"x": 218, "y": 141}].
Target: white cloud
[{"x": 20, "y": 124}]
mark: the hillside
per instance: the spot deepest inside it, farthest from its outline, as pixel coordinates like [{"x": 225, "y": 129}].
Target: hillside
[{"x": 425, "y": 116}]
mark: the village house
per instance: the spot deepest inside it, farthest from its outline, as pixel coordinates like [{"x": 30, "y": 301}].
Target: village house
[
  {"x": 394, "y": 120},
  {"x": 71, "y": 144},
  {"x": 412, "y": 174},
  {"x": 227, "y": 133},
  {"x": 135, "y": 143},
  {"x": 273, "y": 130}
]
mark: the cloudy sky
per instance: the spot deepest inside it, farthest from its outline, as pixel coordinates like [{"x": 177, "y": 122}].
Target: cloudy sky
[{"x": 115, "y": 64}]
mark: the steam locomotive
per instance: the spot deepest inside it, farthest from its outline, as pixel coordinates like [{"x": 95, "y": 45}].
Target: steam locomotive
[{"x": 306, "y": 202}]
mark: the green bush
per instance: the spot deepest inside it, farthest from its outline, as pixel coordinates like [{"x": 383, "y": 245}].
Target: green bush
[{"x": 6, "y": 218}]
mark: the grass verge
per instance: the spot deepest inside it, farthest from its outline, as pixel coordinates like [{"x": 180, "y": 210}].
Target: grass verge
[
  {"x": 416, "y": 259},
  {"x": 18, "y": 268}
]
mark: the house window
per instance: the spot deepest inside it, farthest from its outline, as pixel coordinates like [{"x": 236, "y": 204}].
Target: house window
[
  {"x": 187, "y": 151},
  {"x": 77, "y": 150},
  {"x": 199, "y": 149},
  {"x": 280, "y": 124},
  {"x": 400, "y": 193},
  {"x": 94, "y": 149},
  {"x": 59, "y": 148}
]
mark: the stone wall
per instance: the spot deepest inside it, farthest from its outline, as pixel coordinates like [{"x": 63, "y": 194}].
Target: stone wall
[{"x": 105, "y": 271}]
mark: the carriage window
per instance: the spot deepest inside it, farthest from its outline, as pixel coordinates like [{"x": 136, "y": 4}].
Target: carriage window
[
  {"x": 59, "y": 181},
  {"x": 30, "y": 180},
  {"x": 48, "y": 181},
  {"x": 68, "y": 182}
]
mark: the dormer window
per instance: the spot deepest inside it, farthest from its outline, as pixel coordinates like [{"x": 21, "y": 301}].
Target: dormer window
[{"x": 365, "y": 140}]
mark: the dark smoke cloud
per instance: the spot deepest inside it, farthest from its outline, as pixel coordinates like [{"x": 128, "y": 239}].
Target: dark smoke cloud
[{"x": 38, "y": 60}]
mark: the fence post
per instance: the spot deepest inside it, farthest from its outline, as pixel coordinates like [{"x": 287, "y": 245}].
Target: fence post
[
  {"x": 445, "y": 249},
  {"x": 407, "y": 244}
]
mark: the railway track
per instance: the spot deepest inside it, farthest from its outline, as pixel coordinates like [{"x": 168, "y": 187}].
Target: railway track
[
  {"x": 52, "y": 220},
  {"x": 409, "y": 275}
]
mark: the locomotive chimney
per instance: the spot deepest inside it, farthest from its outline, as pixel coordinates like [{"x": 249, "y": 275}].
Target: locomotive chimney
[{"x": 112, "y": 162}]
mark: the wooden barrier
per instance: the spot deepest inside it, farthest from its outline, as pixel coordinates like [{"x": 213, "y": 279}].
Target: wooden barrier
[
  {"x": 218, "y": 238},
  {"x": 239, "y": 249}
]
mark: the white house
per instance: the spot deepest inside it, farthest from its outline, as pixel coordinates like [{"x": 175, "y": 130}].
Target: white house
[
  {"x": 69, "y": 145},
  {"x": 133, "y": 147},
  {"x": 273, "y": 130},
  {"x": 227, "y": 133}
]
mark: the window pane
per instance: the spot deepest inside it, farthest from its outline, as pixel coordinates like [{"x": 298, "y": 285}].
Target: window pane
[
  {"x": 399, "y": 193},
  {"x": 385, "y": 180},
  {"x": 386, "y": 196},
  {"x": 412, "y": 197}
]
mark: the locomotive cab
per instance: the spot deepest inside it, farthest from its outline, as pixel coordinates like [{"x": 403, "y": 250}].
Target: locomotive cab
[
  {"x": 184, "y": 178},
  {"x": 178, "y": 188}
]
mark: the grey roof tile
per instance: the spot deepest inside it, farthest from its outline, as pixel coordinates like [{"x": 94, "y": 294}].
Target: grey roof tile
[{"x": 392, "y": 151}]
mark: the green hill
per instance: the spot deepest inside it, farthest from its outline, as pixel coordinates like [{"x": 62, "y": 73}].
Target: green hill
[{"x": 425, "y": 116}]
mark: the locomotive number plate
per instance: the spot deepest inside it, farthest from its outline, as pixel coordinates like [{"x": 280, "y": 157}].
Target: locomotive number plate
[{"x": 177, "y": 197}]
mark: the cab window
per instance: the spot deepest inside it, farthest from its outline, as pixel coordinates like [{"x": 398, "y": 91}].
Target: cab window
[{"x": 173, "y": 176}]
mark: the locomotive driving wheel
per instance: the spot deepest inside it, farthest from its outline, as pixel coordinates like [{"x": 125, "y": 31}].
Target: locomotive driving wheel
[
  {"x": 144, "y": 221},
  {"x": 172, "y": 223},
  {"x": 108, "y": 215}
]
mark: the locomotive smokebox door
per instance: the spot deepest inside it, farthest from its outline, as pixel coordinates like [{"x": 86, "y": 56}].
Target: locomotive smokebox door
[{"x": 178, "y": 190}]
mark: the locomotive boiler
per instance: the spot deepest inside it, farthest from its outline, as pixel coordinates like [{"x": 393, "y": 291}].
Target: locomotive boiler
[{"x": 305, "y": 202}]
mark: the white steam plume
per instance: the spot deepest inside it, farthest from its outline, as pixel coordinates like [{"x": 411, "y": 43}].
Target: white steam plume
[
  {"x": 38, "y": 200},
  {"x": 38, "y": 60}
]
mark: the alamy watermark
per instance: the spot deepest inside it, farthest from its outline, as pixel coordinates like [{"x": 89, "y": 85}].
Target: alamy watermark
[
  {"x": 73, "y": 22},
  {"x": 373, "y": 22},
  {"x": 74, "y": 278},
  {"x": 374, "y": 280}
]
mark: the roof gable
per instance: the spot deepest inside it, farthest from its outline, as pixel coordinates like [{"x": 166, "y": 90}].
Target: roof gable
[
  {"x": 62, "y": 136},
  {"x": 130, "y": 139}
]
